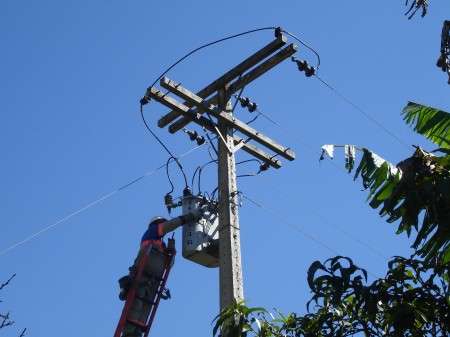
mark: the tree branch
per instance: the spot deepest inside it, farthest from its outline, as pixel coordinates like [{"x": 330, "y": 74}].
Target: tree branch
[{"x": 7, "y": 282}]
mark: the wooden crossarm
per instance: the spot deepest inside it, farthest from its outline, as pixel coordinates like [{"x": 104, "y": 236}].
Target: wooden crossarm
[
  {"x": 185, "y": 111},
  {"x": 244, "y": 80},
  {"x": 225, "y": 117},
  {"x": 230, "y": 75}
]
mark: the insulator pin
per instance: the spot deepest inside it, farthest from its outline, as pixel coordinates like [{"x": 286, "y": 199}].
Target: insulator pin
[{"x": 303, "y": 66}]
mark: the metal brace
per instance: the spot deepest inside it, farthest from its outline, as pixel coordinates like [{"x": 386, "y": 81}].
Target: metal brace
[{"x": 230, "y": 149}]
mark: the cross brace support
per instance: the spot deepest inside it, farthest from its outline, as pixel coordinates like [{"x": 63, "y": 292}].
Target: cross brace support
[
  {"x": 240, "y": 82},
  {"x": 183, "y": 110},
  {"x": 230, "y": 75},
  {"x": 227, "y": 119}
]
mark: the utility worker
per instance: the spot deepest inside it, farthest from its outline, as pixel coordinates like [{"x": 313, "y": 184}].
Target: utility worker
[
  {"x": 160, "y": 226},
  {"x": 157, "y": 228}
]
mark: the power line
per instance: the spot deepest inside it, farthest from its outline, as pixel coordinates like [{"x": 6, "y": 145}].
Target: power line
[
  {"x": 301, "y": 141},
  {"x": 317, "y": 214},
  {"x": 181, "y": 59},
  {"x": 296, "y": 227},
  {"x": 306, "y": 45},
  {"x": 89, "y": 205},
  {"x": 164, "y": 146},
  {"x": 333, "y": 225},
  {"x": 314, "y": 71},
  {"x": 145, "y": 100},
  {"x": 364, "y": 113}
]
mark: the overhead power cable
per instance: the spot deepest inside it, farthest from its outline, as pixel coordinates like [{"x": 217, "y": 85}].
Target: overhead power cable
[
  {"x": 364, "y": 113},
  {"x": 146, "y": 100},
  {"x": 375, "y": 251},
  {"x": 305, "y": 45},
  {"x": 89, "y": 205},
  {"x": 296, "y": 227},
  {"x": 176, "y": 159}
]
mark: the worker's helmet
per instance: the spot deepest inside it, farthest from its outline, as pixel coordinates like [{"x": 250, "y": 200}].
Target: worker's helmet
[{"x": 157, "y": 219}]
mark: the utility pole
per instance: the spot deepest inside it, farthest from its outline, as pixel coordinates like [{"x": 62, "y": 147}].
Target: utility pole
[
  {"x": 230, "y": 272},
  {"x": 213, "y": 101}
]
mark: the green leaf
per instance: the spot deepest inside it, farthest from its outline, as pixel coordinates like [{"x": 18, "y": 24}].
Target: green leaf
[
  {"x": 446, "y": 256},
  {"x": 430, "y": 122}
]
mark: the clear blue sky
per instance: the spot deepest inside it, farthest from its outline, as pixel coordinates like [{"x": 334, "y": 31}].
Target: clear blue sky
[{"x": 73, "y": 73}]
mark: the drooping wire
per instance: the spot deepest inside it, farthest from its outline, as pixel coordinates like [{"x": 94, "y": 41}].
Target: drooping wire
[
  {"x": 247, "y": 175},
  {"x": 184, "y": 57},
  {"x": 208, "y": 45},
  {"x": 144, "y": 101},
  {"x": 209, "y": 152},
  {"x": 213, "y": 193},
  {"x": 168, "y": 175},
  {"x": 253, "y": 160},
  {"x": 306, "y": 45},
  {"x": 193, "y": 178},
  {"x": 252, "y": 120},
  {"x": 210, "y": 141},
  {"x": 199, "y": 170},
  {"x": 249, "y": 161},
  {"x": 200, "y": 173},
  {"x": 163, "y": 145}
]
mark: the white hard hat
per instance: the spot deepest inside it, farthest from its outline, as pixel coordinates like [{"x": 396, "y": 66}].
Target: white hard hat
[{"x": 157, "y": 218}]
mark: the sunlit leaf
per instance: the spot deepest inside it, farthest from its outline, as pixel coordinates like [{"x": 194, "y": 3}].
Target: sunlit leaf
[{"x": 430, "y": 122}]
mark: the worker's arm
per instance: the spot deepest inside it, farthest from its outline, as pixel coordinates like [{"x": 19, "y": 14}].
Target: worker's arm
[{"x": 174, "y": 223}]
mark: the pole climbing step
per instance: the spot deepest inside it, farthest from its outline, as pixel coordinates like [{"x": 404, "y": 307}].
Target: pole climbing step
[{"x": 146, "y": 290}]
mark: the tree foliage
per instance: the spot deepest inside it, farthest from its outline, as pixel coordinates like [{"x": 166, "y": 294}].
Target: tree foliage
[
  {"x": 432, "y": 123},
  {"x": 411, "y": 300},
  {"x": 5, "y": 317},
  {"x": 414, "y": 6}
]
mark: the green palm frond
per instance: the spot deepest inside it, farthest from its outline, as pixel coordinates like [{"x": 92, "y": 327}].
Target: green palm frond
[
  {"x": 432, "y": 123},
  {"x": 415, "y": 194}
]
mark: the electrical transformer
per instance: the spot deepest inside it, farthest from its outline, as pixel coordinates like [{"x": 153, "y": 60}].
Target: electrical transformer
[{"x": 201, "y": 238}]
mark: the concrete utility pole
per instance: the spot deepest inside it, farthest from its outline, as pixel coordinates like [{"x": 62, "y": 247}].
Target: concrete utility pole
[
  {"x": 230, "y": 273},
  {"x": 213, "y": 101}
]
